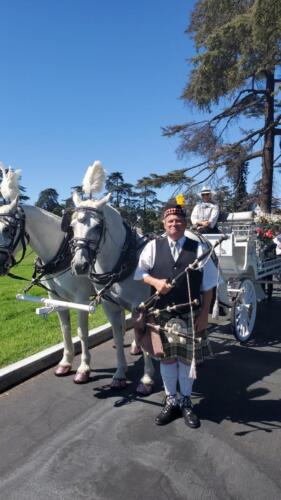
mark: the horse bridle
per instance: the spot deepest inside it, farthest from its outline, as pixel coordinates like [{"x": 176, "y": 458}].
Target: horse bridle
[
  {"x": 126, "y": 262},
  {"x": 91, "y": 245},
  {"x": 16, "y": 222}
]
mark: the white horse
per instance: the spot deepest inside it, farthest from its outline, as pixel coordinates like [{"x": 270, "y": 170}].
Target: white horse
[
  {"x": 100, "y": 239},
  {"x": 45, "y": 238}
]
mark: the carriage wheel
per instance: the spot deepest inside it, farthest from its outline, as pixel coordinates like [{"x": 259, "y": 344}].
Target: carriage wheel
[{"x": 243, "y": 314}]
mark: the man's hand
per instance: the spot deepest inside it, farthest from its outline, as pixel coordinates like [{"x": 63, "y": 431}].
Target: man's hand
[
  {"x": 160, "y": 285},
  {"x": 202, "y": 223}
]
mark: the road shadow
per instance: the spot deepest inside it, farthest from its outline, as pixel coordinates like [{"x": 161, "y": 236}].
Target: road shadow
[
  {"x": 128, "y": 394},
  {"x": 223, "y": 389},
  {"x": 224, "y": 383},
  {"x": 268, "y": 325}
]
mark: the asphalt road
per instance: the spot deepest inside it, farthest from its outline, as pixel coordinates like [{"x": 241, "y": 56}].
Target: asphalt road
[{"x": 63, "y": 441}]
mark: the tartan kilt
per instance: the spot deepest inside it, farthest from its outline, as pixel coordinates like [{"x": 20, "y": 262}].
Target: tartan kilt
[{"x": 182, "y": 348}]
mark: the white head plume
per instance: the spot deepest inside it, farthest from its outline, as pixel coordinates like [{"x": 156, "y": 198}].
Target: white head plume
[
  {"x": 94, "y": 178},
  {"x": 10, "y": 183}
]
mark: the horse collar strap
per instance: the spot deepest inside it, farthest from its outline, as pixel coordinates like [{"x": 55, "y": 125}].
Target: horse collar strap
[
  {"x": 60, "y": 262},
  {"x": 125, "y": 264}
]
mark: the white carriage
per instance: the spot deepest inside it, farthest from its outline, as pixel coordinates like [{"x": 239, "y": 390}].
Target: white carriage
[{"x": 248, "y": 267}]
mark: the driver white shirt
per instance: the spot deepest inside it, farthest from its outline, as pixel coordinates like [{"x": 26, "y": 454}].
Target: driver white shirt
[
  {"x": 147, "y": 259},
  {"x": 205, "y": 212},
  {"x": 277, "y": 241}
]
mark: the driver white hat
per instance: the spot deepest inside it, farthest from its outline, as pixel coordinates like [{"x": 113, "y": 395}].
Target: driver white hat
[{"x": 206, "y": 190}]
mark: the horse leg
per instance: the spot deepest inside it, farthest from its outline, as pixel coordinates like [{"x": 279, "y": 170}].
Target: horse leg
[
  {"x": 145, "y": 386},
  {"x": 116, "y": 317},
  {"x": 83, "y": 372},
  {"x": 135, "y": 349},
  {"x": 65, "y": 364}
]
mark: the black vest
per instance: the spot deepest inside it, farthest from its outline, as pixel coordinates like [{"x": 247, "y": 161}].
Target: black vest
[{"x": 166, "y": 268}]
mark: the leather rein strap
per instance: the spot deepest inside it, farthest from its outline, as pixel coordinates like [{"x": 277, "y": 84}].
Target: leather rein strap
[{"x": 60, "y": 263}]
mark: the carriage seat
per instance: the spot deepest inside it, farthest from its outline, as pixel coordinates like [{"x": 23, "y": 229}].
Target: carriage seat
[
  {"x": 238, "y": 223},
  {"x": 237, "y": 217}
]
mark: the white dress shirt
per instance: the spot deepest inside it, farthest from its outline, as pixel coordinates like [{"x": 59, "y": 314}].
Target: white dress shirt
[
  {"x": 205, "y": 212},
  {"x": 147, "y": 259},
  {"x": 277, "y": 241}
]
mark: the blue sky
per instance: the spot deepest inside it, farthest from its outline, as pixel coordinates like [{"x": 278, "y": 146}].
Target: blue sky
[
  {"x": 86, "y": 80},
  {"x": 83, "y": 80}
]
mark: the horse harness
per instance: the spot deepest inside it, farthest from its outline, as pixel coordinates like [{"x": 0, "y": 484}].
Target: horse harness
[
  {"x": 16, "y": 222},
  {"x": 90, "y": 244},
  {"x": 59, "y": 263},
  {"x": 126, "y": 263}
]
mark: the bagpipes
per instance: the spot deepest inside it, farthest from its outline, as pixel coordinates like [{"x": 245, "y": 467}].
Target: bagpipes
[{"x": 147, "y": 330}]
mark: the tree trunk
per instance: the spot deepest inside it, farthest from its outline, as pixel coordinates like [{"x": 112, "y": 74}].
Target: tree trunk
[{"x": 268, "y": 150}]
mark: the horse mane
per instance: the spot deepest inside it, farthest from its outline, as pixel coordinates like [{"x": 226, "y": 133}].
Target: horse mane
[
  {"x": 94, "y": 178},
  {"x": 51, "y": 215}
]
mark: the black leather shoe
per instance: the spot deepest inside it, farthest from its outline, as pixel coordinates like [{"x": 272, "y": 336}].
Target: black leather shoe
[
  {"x": 167, "y": 414},
  {"x": 190, "y": 418}
]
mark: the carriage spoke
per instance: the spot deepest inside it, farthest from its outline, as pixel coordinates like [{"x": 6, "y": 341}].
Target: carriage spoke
[{"x": 244, "y": 311}]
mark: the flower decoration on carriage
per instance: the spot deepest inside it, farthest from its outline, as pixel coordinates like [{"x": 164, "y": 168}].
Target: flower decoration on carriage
[
  {"x": 268, "y": 227},
  {"x": 264, "y": 235}
]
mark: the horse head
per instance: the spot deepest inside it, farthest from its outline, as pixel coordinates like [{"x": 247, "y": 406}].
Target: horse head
[
  {"x": 10, "y": 234},
  {"x": 88, "y": 225}
]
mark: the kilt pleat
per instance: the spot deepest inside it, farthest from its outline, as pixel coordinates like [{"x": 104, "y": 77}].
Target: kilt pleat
[{"x": 181, "y": 348}]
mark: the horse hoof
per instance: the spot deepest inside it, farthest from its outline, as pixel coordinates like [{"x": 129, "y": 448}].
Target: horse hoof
[
  {"x": 62, "y": 371},
  {"x": 144, "y": 389},
  {"x": 81, "y": 377},
  {"x": 118, "y": 383},
  {"x": 136, "y": 350}
]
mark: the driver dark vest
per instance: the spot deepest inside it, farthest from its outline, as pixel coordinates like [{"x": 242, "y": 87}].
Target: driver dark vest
[{"x": 166, "y": 268}]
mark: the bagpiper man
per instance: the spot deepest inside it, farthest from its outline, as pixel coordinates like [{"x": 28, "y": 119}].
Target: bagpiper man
[
  {"x": 161, "y": 260},
  {"x": 205, "y": 214}
]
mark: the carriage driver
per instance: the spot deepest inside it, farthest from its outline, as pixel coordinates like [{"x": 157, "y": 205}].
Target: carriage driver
[
  {"x": 205, "y": 214},
  {"x": 162, "y": 259}
]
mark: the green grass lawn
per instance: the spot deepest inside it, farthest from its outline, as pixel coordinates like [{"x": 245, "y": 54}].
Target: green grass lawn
[{"x": 22, "y": 332}]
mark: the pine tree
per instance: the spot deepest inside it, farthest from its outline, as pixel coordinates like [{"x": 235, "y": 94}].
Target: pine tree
[
  {"x": 115, "y": 185},
  {"x": 237, "y": 66},
  {"x": 48, "y": 200}
]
